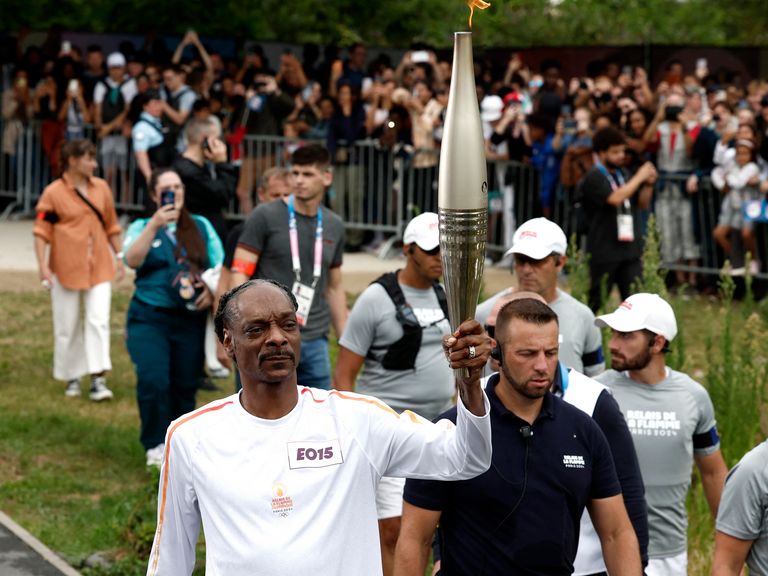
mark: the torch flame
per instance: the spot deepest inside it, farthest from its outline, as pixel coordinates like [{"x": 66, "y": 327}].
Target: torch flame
[{"x": 479, "y": 4}]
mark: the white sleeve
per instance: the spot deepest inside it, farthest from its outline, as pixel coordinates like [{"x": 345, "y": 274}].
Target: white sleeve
[
  {"x": 178, "y": 515},
  {"x": 99, "y": 91},
  {"x": 720, "y": 153},
  {"x": 409, "y": 446},
  {"x": 738, "y": 179},
  {"x": 718, "y": 177},
  {"x": 129, "y": 90}
]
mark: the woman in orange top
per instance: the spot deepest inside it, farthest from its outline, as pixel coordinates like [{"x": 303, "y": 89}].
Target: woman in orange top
[{"x": 75, "y": 228}]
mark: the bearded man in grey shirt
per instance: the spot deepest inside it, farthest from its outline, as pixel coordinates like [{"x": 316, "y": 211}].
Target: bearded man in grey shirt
[{"x": 672, "y": 422}]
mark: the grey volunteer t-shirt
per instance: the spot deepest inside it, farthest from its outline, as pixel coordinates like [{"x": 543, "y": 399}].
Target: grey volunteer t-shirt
[
  {"x": 428, "y": 388},
  {"x": 743, "y": 511},
  {"x": 582, "y": 345},
  {"x": 663, "y": 419},
  {"x": 266, "y": 233}
]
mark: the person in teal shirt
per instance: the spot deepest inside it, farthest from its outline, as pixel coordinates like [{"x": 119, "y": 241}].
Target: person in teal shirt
[{"x": 170, "y": 251}]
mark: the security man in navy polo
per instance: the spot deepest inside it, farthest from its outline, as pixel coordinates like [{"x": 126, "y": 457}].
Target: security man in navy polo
[
  {"x": 595, "y": 400},
  {"x": 550, "y": 461}
]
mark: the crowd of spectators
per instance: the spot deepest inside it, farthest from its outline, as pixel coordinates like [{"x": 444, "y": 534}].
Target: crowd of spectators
[{"x": 705, "y": 132}]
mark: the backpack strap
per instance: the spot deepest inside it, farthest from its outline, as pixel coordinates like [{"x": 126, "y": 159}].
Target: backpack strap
[
  {"x": 174, "y": 101},
  {"x": 400, "y": 355},
  {"x": 389, "y": 282}
]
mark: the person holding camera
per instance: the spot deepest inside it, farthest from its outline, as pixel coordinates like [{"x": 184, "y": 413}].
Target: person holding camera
[
  {"x": 165, "y": 328},
  {"x": 266, "y": 106},
  {"x": 74, "y": 111},
  {"x": 673, "y": 132}
]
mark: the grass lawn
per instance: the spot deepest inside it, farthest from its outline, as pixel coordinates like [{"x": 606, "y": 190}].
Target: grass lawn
[{"x": 72, "y": 471}]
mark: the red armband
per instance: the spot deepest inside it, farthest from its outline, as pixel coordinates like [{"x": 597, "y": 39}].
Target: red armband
[{"x": 243, "y": 267}]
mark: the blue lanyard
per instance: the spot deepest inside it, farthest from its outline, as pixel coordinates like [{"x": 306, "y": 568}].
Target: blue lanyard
[
  {"x": 563, "y": 378},
  {"x": 293, "y": 234},
  {"x": 611, "y": 180}
]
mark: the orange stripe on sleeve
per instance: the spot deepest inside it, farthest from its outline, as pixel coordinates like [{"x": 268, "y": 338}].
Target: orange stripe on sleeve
[
  {"x": 161, "y": 517},
  {"x": 378, "y": 403}
]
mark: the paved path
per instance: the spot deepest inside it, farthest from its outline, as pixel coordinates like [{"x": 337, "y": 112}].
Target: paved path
[
  {"x": 18, "y": 267},
  {"x": 21, "y": 554}
]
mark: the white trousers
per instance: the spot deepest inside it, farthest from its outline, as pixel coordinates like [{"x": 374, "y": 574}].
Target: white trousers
[
  {"x": 672, "y": 566},
  {"x": 81, "y": 345},
  {"x": 211, "y": 361}
]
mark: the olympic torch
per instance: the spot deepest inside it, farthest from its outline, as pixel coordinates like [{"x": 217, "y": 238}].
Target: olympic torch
[{"x": 462, "y": 190}]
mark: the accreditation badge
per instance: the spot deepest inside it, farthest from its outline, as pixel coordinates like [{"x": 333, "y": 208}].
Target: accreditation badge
[
  {"x": 304, "y": 296},
  {"x": 626, "y": 228}
]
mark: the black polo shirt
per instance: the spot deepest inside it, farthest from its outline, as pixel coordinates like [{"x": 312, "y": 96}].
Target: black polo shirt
[{"x": 522, "y": 515}]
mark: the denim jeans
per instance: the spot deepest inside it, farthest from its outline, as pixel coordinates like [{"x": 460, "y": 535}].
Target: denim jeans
[{"x": 315, "y": 365}]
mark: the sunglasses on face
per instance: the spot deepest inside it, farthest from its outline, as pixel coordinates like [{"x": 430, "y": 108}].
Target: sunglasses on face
[{"x": 490, "y": 330}]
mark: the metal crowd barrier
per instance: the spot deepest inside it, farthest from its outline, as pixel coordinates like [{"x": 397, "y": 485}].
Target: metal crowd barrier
[
  {"x": 376, "y": 189},
  {"x": 30, "y": 162}
]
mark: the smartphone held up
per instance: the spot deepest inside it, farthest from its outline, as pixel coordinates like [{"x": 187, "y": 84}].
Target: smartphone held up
[{"x": 167, "y": 196}]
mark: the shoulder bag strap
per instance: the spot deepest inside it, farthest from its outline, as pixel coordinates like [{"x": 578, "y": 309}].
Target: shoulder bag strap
[{"x": 90, "y": 205}]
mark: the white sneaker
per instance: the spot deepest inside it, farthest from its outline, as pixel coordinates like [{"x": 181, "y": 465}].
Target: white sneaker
[
  {"x": 155, "y": 455},
  {"x": 73, "y": 388},
  {"x": 99, "y": 390},
  {"x": 218, "y": 373}
]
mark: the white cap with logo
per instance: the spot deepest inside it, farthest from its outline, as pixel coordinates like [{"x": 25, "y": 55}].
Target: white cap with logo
[
  {"x": 538, "y": 238},
  {"x": 424, "y": 230},
  {"x": 642, "y": 311}
]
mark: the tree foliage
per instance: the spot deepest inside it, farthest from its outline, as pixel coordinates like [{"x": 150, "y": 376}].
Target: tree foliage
[{"x": 506, "y": 23}]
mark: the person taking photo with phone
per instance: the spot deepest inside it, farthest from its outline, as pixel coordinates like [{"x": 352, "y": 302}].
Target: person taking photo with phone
[{"x": 170, "y": 251}]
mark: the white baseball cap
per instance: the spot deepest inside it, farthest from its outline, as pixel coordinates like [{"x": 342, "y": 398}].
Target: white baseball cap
[
  {"x": 538, "y": 238},
  {"x": 642, "y": 311},
  {"x": 491, "y": 108},
  {"x": 116, "y": 60},
  {"x": 424, "y": 230}
]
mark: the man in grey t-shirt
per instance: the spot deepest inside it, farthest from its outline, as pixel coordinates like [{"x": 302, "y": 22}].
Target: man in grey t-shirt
[
  {"x": 539, "y": 248},
  {"x": 672, "y": 422},
  {"x": 376, "y": 341},
  {"x": 266, "y": 250},
  {"x": 742, "y": 521}
]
